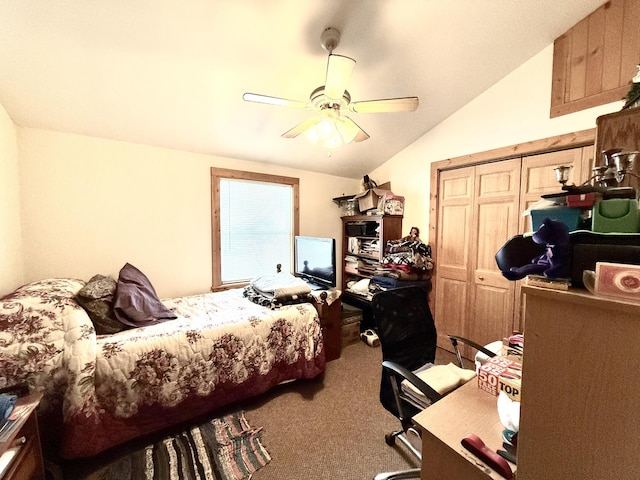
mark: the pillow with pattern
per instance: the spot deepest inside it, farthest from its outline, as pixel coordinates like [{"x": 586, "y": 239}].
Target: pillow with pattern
[{"x": 96, "y": 297}]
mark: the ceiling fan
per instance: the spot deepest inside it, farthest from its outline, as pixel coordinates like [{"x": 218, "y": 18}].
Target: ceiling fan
[{"x": 331, "y": 127}]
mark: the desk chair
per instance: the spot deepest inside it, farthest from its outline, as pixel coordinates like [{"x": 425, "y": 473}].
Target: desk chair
[{"x": 408, "y": 336}]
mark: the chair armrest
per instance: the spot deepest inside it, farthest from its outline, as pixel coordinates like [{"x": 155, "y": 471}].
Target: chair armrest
[
  {"x": 423, "y": 387},
  {"x": 454, "y": 341}
]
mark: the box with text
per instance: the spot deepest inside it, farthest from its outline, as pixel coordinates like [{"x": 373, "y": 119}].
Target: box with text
[{"x": 501, "y": 374}]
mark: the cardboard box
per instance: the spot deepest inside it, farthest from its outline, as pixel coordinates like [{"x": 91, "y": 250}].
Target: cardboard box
[
  {"x": 618, "y": 279},
  {"x": 511, "y": 352},
  {"x": 368, "y": 199},
  {"x": 501, "y": 374},
  {"x": 350, "y": 334},
  {"x": 390, "y": 204}
]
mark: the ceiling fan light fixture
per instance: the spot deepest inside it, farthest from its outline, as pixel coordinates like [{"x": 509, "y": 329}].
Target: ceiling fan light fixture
[{"x": 331, "y": 132}]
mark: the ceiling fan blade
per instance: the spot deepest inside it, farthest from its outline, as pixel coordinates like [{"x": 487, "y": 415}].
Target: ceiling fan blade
[
  {"x": 403, "y": 104},
  {"x": 283, "y": 102},
  {"x": 361, "y": 135},
  {"x": 339, "y": 70},
  {"x": 300, "y": 128}
]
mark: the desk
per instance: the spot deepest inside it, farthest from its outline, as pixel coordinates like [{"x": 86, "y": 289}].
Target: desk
[{"x": 466, "y": 410}]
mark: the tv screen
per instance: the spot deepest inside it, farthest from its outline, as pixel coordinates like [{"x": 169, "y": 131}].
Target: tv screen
[{"x": 315, "y": 261}]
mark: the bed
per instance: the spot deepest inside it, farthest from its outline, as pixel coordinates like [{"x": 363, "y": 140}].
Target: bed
[{"x": 103, "y": 390}]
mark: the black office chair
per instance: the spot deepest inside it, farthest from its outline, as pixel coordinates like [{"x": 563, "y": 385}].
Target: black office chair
[{"x": 408, "y": 338}]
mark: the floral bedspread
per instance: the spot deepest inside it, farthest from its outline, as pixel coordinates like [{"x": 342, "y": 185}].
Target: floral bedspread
[{"x": 111, "y": 388}]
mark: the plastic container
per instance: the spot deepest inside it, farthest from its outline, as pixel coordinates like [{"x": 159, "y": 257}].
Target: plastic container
[
  {"x": 619, "y": 215},
  {"x": 571, "y": 217}
]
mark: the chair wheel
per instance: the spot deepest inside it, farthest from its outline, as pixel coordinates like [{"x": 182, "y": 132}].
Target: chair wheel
[{"x": 390, "y": 439}]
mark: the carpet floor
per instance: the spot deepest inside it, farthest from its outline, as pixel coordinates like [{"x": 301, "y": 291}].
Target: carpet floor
[{"x": 331, "y": 428}]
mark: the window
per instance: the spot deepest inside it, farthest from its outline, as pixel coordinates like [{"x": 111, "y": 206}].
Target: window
[{"x": 254, "y": 219}]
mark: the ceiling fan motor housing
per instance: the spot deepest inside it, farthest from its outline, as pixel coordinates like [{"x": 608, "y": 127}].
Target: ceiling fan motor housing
[{"x": 329, "y": 39}]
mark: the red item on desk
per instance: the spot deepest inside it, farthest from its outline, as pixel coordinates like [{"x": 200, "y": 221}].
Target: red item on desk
[
  {"x": 475, "y": 445},
  {"x": 583, "y": 200}
]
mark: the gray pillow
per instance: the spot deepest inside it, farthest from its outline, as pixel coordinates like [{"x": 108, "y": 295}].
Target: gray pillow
[{"x": 96, "y": 297}]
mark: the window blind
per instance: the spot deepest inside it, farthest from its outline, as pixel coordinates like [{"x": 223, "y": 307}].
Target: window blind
[{"x": 256, "y": 228}]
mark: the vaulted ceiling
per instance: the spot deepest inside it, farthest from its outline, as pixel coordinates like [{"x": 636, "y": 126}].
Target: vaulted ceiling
[{"x": 172, "y": 73}]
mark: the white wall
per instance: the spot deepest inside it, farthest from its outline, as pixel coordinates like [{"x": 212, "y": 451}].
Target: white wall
[
  {"x": 11, "y": 255},
  {"x": 515, "y": 110},
  {"x": 89, "y": 205}
]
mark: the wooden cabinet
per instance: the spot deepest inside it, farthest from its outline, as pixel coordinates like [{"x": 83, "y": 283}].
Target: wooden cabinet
[
  {"x": 363, "y": 242},
  {"x": 594, "y": 62},
  {"x": 578, "y": 416},
  {"x": 27, "y": 463}
]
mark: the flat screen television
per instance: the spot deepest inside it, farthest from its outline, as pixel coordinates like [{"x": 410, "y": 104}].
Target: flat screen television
[{"x": 315, "y": 261}]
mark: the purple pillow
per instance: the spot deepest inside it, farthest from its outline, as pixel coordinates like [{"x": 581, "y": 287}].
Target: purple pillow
[{"x": 135, "y": 301}]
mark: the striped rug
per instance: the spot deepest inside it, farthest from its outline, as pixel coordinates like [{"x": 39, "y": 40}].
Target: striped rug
[{"x": 226, "y": 448}]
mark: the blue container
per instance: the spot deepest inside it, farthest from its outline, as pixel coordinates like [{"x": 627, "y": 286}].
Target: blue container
[{"x": 571, "y": 217}]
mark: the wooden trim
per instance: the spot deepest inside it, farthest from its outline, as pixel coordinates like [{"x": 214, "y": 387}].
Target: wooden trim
[
  {"x": 216, "y": 175},
  {"x": 611, "y": 96}
]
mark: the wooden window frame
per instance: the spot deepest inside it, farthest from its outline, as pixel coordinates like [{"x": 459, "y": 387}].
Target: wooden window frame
[{"x": 218, "y": 174}]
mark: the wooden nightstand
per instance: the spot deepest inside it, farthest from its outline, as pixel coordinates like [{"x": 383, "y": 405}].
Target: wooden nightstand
[
  {"x": 330, "y": 320},
  {"x": 27, "y": 463}
]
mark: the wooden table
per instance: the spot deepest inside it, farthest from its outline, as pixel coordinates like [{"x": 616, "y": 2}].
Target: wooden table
[{"x": 445, "y": 423}]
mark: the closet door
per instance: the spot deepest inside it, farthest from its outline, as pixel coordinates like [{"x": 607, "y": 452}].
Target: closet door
[
  {"x": 456, "y": 190},
  {"x": 539, "y": 178},
  {"x": 496, "y": 212},
  {"x": 477, "y": 211}
]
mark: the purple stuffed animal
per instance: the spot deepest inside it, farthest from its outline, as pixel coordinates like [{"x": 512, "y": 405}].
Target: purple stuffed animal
[{"x": 556, "y": 261}]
